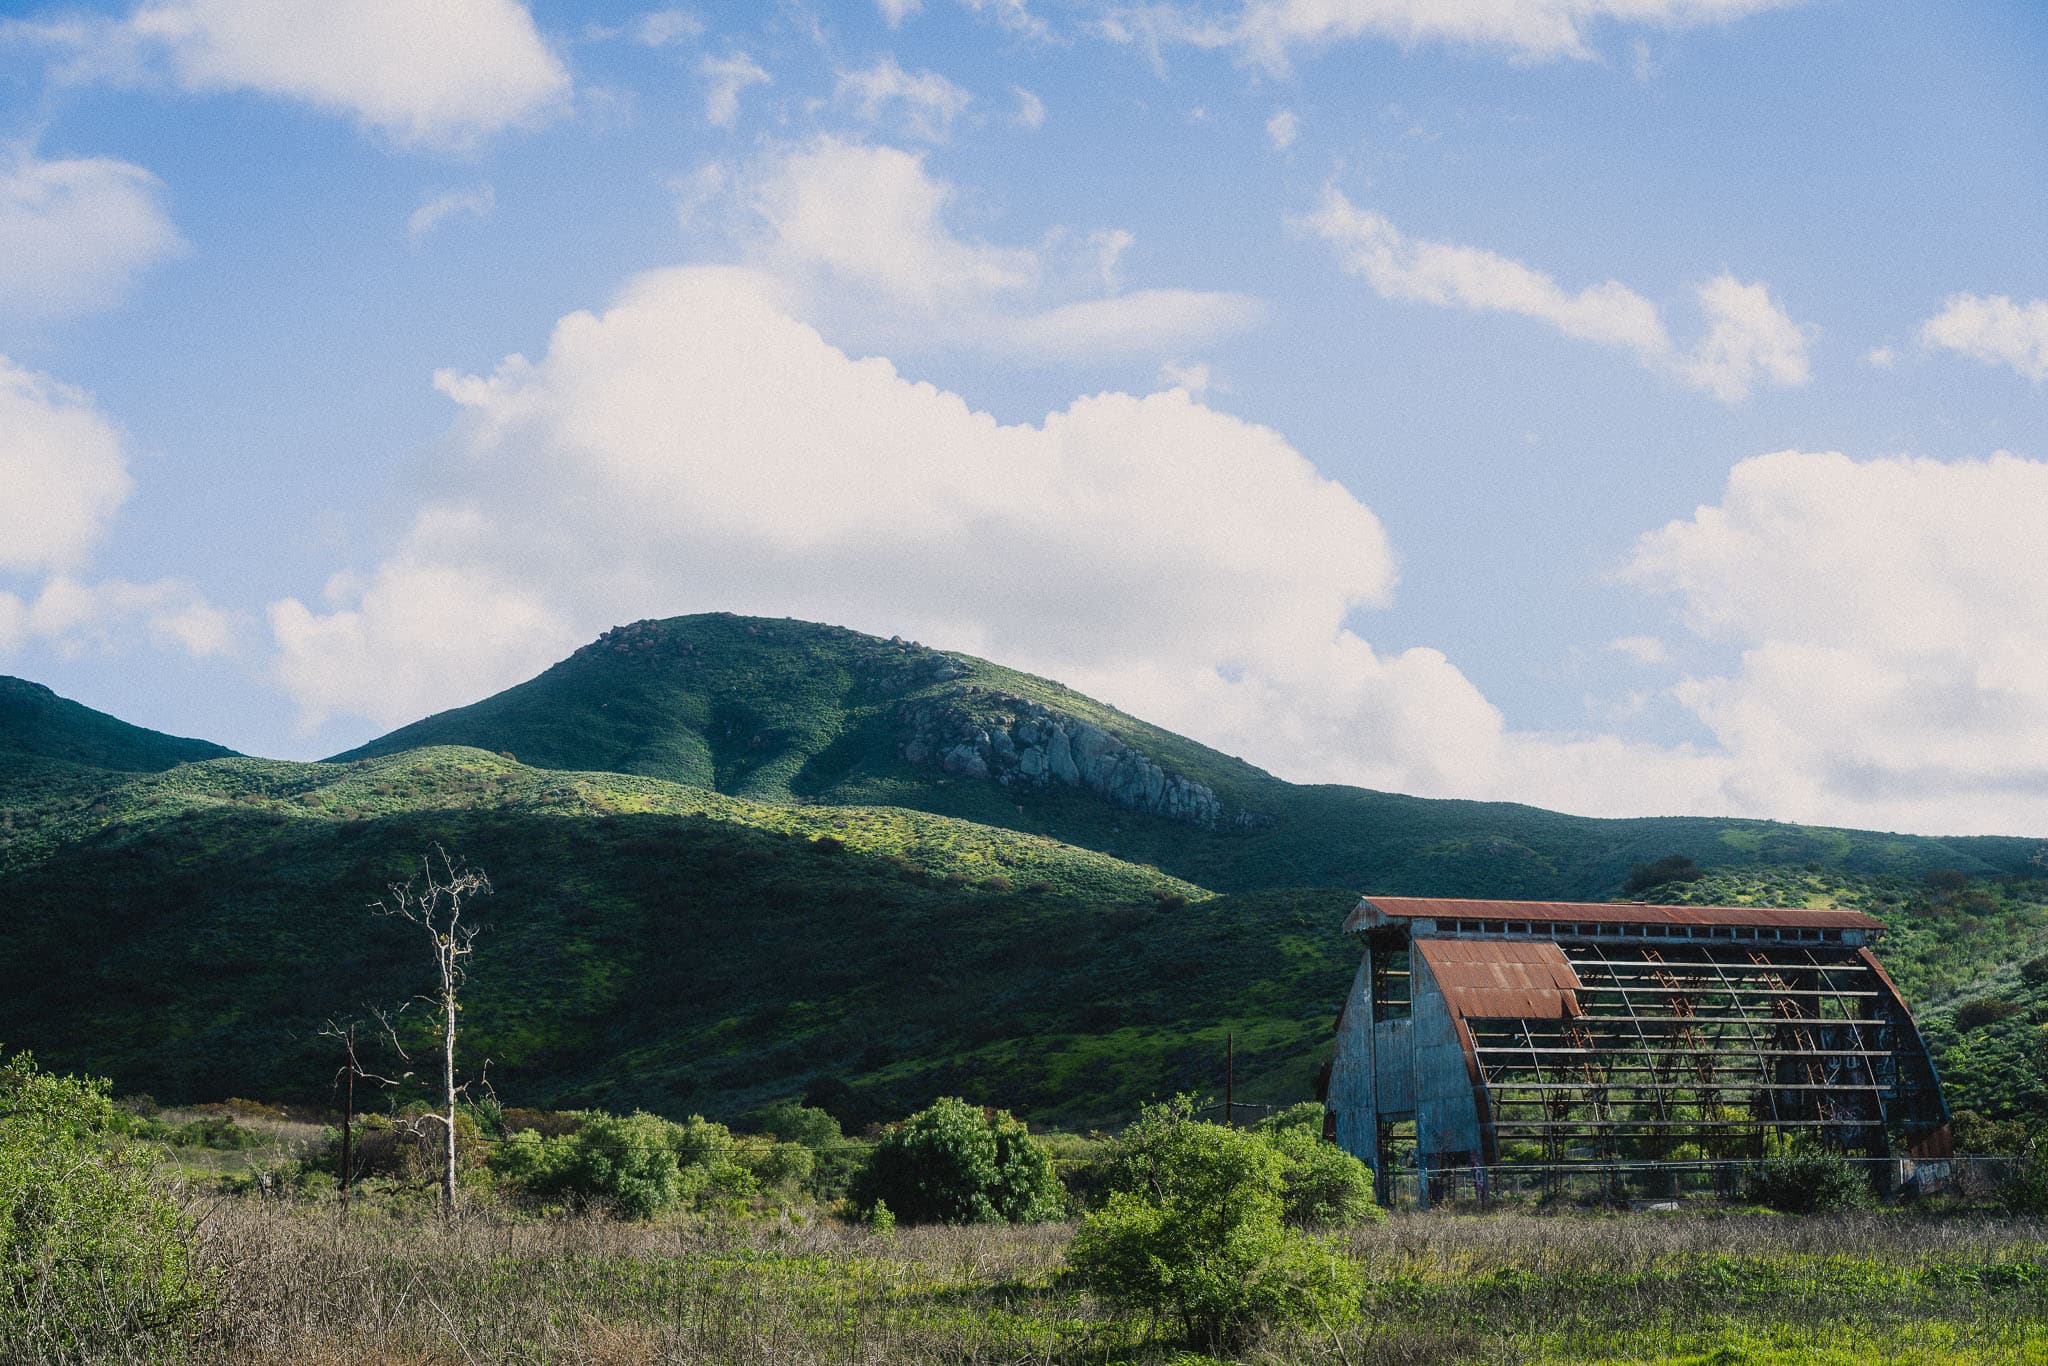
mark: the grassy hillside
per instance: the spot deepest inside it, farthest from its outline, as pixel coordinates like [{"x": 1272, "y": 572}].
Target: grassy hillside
[
  {"x": 35, "y": 723},
  {"x": 649, "y": 943},
  {"x": 730, "y": 868},
  {"x": 783, "y": 711}
]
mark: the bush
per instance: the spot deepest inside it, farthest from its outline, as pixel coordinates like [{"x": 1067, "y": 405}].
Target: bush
[
  {"x": 2034, "y": 972},
  {"x": 408, "y": 1149},
  {"x": 1671, "y": 868},
  {"x": 1981, "y": 1135},
  {"x": 1989, "y": 1010},
  {"x": 1321, "y": 1185},
  {"x": 1193, "y": 1234},
  {"x": 1809, "y": 1180},
  {"x": 794, "y": 1122},
  {"x": 644, "y": 1166},
  {"x": 955, "y": 1164},
  {"x": 94, "y": 1257},
  {"x": 628, "y": 1163},
  {"x": 778, "y": 1166}
]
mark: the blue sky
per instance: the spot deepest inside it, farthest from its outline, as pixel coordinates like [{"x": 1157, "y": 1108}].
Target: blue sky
[{"x": 1625, "y": 407}]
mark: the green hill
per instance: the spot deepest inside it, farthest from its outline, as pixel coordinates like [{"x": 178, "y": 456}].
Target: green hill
[
  {"x": 737, "y": 859},
  {"x": 649, "y": 943},
  {"x": 782, "y": 711},
  {"x": 36, "y": 723}
]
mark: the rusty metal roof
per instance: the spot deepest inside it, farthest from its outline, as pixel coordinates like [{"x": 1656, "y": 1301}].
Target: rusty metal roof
[
  {"x": 1608, "y": 913},
  {"x": 1503, "y": 979}
]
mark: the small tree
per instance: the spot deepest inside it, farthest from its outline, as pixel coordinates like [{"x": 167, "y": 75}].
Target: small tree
[
  {"x": 955, "y": 1164},
  {"x": 1808, "y": 1179},
  {"x": 95, "y": 1259},
  {"x": 1321, "y": 1185},
  {"x": 434, "y": 902},
  {"x": 1193, "y": 1233}
]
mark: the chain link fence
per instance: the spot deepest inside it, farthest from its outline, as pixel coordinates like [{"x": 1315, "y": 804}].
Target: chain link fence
[{"x": 1672, "y": 1185}]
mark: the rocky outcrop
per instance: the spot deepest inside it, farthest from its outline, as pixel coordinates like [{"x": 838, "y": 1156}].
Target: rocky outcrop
[{"x": 983, "y": 733}]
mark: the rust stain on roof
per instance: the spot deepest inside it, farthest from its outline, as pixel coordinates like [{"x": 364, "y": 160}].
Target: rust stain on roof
[
  {"x": 1503, "y": 979},
  {"x": 1607, "y": 913}
]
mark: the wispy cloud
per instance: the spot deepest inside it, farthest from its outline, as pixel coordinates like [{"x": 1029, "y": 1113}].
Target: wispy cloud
[
  {"x": 724, "y": 79},
  {"x": 926, "y": 102},
  {"x": 1750, "y": 339},
  {"x": 477, "y": 202},
  {"x": 1030, "y": 109},
  {"x": 1267, "y": 33}
]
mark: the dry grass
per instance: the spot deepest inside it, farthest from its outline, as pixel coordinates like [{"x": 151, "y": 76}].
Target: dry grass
[{"x": 296, "y": 1286}]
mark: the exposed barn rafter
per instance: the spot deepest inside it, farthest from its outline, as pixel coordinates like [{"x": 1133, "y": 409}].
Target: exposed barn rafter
[{"x": 1500, "y": 1031}]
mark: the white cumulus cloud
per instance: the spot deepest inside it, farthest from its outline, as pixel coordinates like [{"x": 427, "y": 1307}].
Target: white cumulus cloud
[
  {"x": 1891, "y": 617},
  {"x": 696, "y": 447},
  {"x": 1750, "y": 338},
  {"x": 74, "y": 233},
  {"x": 865, "y": 232},
  {"x": 64, "y": 473},
  {"x": 64, "y": 467},
  {"x": 1995, "y": 330},
  {"x": 446, "y": 73},
  {"x": 873, "y": 216}
]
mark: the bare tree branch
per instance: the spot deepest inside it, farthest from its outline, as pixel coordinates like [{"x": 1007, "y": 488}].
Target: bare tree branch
[{"x": 435, "y": 901}]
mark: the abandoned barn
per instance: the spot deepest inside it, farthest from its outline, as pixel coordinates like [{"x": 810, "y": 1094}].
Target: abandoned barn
[{"x": 1478, "y": 1033}]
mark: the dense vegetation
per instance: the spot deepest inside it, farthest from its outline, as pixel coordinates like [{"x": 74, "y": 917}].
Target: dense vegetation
[
  {"x": 720, "y": 883},
  {"x": 95, "y": 1258}
]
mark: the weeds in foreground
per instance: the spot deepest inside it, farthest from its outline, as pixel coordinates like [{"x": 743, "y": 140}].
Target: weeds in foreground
[{"x": 296, "y": 1286}]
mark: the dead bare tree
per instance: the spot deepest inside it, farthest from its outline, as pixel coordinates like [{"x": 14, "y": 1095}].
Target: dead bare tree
[
  {"x": 344, "y": 1033},
  {"x": 434, "y": 901}
]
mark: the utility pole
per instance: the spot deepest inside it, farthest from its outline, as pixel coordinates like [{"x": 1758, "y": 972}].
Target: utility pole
[
  {"x": 1230, "y": 1080},
  {"x": 348, "y": 1123}
]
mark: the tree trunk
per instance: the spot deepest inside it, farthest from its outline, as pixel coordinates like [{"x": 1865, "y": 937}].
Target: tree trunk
[{"x": 448, "y": 1092}]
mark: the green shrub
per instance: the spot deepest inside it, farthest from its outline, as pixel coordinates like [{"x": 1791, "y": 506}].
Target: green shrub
[
  {"x": 955, "y": 1164},
  {"x": 1988, "y": 1010},
  {"x": 628, "y": 1162},
  {"x": 779, "y": 1166},
  {"x": 794, "y": 1122},
  {"x": 1321, "y": 1185},
  {"x": 1661, "y": 873},
  {"x": 1809, "y": 1180},
  {"x": 94, "y": 1257},
  {"x": 1193, "y": 1235}
]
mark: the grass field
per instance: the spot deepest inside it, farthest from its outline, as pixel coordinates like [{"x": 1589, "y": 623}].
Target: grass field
[{"x": 298, "y": 1286}]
